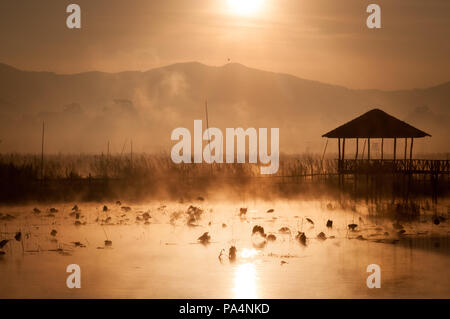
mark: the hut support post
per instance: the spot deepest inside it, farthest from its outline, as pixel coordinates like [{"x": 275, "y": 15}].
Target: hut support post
[
  {"x": 339, "y": 154},
  {"x": 395, "y": 148},
  {"x": 357, "y": 144},
  {"x": 382, "y": 148},
  {"x": 343, "y": 153},
  {"x": 42, "y": 151},
  {"x": 368, "y": 148},
  {"x": 339, "y": 147},
  {"x": 406, "y": 146},
  {"x": 343, "y": 148},
  {"x": 411, "y": 149}
]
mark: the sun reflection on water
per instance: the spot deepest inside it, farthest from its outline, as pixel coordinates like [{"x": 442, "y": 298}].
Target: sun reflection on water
[
  {"x": 245, "y": 281},
  {"x": 248, "y": 253}
]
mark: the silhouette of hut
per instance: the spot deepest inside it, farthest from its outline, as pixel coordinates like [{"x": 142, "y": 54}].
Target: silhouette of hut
[{"x": 375, "y": 124}]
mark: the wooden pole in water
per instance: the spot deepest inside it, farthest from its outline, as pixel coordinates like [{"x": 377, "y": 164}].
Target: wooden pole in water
[
  {"x": 339, "y": 154},
  {"x": 339, "y": 147},
  {"x": 410, "y": 155},
  {"x": 343, "y": 148},
  {"x": 343, "y": 155},
  {"x": 406, "y": 146},
  {"x": 357, "y": 145},
  {"x": 382, "y": 148},
  {"x": 107, "y": 159},
  {"x": 209, "y": 135},
  {"x": 42, "y": 150},
  {"x": 368, "y": 148},
  {"x": 323, "y": 155},
  {"x": 395, "y": 148},
  {"x": 131, "y": 153},
  {"x": 364, "y": 149}
]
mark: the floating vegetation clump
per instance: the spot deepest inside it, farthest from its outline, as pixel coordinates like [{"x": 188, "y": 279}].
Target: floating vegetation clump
[
  {"x": 284, "y": 230},
  {"x": 193, "y": 215},
  {"x": 232, "y": 253},
  {"x": 3, "y": 243},
  {"x": 204, "y": 239},
  {"x": 7, "y": 217},
  {"x": 301, "y": 237},
  {"x": 321, "y": 236}
]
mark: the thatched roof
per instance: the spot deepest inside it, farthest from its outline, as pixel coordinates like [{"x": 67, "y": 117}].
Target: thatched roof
[{"x": 375, "y": 124}]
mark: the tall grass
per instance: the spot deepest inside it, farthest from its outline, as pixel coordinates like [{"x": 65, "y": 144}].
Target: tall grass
[
  {"x": 98, "y": 177},
  {"x": 64, "y": 166}
]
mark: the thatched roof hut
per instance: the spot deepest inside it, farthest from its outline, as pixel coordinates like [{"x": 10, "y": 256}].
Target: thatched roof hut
[{"x": 375, "y": 124}]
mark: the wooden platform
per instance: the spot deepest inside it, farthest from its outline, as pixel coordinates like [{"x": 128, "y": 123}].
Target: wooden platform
[{"x": 378, "y": 166}]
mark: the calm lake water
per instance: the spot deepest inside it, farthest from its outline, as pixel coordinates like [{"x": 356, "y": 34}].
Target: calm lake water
[{"x": 158, "y": 255}]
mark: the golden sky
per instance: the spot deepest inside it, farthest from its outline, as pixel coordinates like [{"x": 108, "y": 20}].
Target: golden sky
[{"x": 323, "y": 40}]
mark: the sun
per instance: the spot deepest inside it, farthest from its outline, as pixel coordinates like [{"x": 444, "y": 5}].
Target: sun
[{"x": 245, "y": 7}]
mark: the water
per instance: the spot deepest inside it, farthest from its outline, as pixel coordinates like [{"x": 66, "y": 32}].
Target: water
[{"x": 163, "y": 259}]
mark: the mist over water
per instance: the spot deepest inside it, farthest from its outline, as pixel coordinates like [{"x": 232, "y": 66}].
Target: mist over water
[
  {"x": 307, "y": 148},
  {"x": 84, "y": 111},
  {"x": 155, "y": 252}
]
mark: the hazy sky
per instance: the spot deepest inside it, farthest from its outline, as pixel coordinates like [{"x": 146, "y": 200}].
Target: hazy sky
[{"x": 324, "y": 40}]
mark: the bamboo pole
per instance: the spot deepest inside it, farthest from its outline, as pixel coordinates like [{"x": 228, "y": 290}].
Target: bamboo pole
[
  {"x": 364, "y": 149},
  {"x": 339, "y": 147},
  {"x": 42, "y": 150},
  {"x": 343, "y": 148},
  {"x": 339, "y": 154},
  {"x": 107, "y": 159},
  {"x": 395, "y": 148},
  {"x": 131, "y": 153},
  {"x": 406, "y": 146},
  {"x": 323, "y": 155}
]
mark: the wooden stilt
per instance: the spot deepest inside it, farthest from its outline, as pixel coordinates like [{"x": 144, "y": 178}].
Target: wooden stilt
[
  {"x": 42, "y": 151},
  {"x": 410, "y": 154},
  {"x": 343, "y": 148},
  {"x": 364, "y": 150},
  {"x": 382, "y": 148},
  {"x": 357, "y": 145},
  {"x": 395, "y": 148},
  {"x": 342, "y": 163},
  {"x": 406, "y": 146},
  {"x": 339, "y": 154},
  {"x": 131, "y": 153},
  {"x": 339, "y": 147},
  {"x": 368, "y": 148}
]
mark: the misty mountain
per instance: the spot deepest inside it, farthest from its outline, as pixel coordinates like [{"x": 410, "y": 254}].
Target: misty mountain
[{"x": 83, "y": 111}]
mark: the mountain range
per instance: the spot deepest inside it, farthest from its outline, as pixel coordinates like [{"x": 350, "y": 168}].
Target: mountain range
[{"x": 83, "y": 111}]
